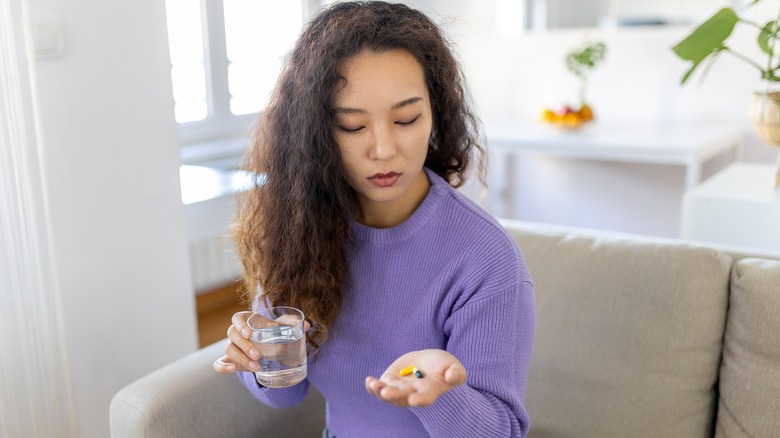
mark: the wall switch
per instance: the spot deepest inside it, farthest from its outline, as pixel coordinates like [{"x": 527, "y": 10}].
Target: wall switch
[{"x": 47, "y": 36}]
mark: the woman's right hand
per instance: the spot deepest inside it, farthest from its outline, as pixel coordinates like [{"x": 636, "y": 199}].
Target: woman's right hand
[{"x": 240, "y": 353}]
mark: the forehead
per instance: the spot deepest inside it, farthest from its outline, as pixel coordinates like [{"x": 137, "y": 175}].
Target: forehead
[{"x": 377, "y": 76}]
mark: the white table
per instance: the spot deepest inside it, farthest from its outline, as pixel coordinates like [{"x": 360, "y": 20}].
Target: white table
[
  {"x": 681, "y": 144},
  {"x": 737, "y": 206},
  {"x": 200, "y": 183},
  {"x": 209, "y": 201},
  {"x": 684, "y": 144},
  {"x": 208, "y": 195}
]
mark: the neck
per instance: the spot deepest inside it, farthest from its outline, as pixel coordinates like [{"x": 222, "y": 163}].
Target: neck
[{"x": 392, "y": 213}]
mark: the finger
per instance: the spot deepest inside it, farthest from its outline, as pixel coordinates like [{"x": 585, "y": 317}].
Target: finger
[
  {"x": 367, "y": 383},
  {"x": 394, "y": 395},
  {"x": 235, "y": 338},
  {"x": 288, "y": 320},
  {"x": 292, "y": 320},
  {"x": 374, "y": 385},
  {"x": 455, "y": 375},
  {"x": 238, "y": 357},
  {"x": 425, "y": 398},
  {"x": 224, "y": 365},
  {"x": 239, "y": 322}
]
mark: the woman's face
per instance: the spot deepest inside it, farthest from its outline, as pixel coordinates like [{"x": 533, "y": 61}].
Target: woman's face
[{"x": 383, "y": 123}]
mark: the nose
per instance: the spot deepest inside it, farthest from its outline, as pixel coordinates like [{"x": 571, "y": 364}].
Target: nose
[{"x": 383, "y": 144}]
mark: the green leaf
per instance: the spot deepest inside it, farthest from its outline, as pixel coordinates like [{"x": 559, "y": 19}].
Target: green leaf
[
  {"x": 708, "y": 37},
  {"x": 585, "y": 58},
  {"x": 689, "y": 73},
  {"x": 764, "y": 36},
  {"x": 712, "y": 57},
  {"x": 711, "y": 62}
]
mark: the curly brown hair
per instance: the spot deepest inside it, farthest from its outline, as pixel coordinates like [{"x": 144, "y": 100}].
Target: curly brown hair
[{"x": 293, "y": 225}]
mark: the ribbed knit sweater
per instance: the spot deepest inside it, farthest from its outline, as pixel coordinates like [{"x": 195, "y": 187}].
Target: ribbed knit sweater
[{"x": 449, "y": 277}]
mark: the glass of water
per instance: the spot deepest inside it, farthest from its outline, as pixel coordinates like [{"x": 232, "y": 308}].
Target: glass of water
[{"x": 278, "y": 334}]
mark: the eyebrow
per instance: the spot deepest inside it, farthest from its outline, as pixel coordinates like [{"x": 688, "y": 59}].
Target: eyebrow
[{"x": 400, "y": 104}]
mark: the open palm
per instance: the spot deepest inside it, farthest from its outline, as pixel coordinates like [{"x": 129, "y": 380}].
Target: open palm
[{"x": 441, "y": 371}]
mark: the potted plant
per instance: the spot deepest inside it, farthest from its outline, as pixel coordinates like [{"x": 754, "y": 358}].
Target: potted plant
[
  {"x": 579, "y": 62},
  {"x": 707, "y": 42}
]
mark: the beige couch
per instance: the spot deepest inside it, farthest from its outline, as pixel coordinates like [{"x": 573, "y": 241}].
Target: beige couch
[{"x": 636, "y": 337}]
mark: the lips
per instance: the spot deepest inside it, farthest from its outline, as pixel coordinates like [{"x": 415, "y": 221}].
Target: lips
[{"x": 384, "y": 179}]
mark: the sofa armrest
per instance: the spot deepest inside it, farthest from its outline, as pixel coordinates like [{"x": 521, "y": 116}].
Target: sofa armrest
[{"x": 188, "y": 398}]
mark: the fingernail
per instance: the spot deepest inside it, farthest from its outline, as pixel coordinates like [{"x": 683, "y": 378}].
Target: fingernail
[
  {"x": 231, "y": 368},
  {"x": 254, "y": 354},
  {"x": 254, "y": 366},
  {"x": 245, "y": 332}
]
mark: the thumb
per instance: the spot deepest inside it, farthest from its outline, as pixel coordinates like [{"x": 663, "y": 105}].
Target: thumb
[{"x": 455, "y": 375}]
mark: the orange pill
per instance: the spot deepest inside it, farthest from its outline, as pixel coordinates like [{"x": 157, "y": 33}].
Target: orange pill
[{"x": 406, "y": 371}]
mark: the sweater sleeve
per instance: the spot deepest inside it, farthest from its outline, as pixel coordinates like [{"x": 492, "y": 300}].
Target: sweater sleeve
[
  {"x": 274, "y": 397},
  {"x": 492, "y": 337}
]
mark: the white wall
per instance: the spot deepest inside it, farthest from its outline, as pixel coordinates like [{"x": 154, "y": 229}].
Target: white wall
[{"x": 111, "y": 159}]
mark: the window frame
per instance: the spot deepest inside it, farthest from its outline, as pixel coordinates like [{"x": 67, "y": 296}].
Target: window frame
[{"x": 220, "y": 124}]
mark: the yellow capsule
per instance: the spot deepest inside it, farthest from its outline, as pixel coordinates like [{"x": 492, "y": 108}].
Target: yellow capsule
[{"x": 406, "y": 371}]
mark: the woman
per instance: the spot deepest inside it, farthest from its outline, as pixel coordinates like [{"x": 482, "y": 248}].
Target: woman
[{"x": 357, "y": 223}]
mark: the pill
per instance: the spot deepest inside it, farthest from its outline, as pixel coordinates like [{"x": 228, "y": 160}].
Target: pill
[
  {"x": 417, "y": 373},
  {"x": 406, "y": 371}
]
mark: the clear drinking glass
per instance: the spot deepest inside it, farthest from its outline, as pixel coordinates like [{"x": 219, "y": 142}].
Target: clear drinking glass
[{"x": 278, "y": 334}]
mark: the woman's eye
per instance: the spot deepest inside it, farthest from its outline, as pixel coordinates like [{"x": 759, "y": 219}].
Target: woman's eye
[
  {"x": 350, "y": 129},
  {"x": 408, "y": 122}
]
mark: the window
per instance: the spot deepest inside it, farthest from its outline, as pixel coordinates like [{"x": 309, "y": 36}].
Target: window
[
  {"x": 256, "y": 42},
  {"x": 187, "y": 67},
  {"x": 225, "y": 58}
]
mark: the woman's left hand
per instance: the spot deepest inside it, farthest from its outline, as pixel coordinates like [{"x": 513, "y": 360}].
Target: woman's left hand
[{"x": 441, "y": 371}]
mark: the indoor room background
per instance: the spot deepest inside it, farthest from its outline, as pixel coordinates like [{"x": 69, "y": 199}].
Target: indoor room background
[{"x": 119, "y": 154}]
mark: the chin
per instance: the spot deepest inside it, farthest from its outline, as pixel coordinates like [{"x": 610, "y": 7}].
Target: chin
[
  {"x": 384, "y": 197},
  {"x": 386, "y": 194}
]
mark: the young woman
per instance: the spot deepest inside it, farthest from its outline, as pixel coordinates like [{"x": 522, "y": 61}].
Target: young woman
[{"x": 357, "y": 223}]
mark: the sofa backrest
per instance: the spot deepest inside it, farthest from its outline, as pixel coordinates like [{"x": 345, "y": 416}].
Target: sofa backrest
[
  {"x": 749, "y": 401},
  {"x": 629, "y": 334}
]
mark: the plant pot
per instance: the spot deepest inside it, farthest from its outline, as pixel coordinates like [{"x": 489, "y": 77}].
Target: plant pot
[{"x": 765, "y": 118}]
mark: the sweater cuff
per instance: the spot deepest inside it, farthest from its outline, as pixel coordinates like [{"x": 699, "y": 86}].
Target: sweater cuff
[
  {"x": 249, "y": 380},
  {"x": 449, "y": 414},
  {"x": 465, "y": 412},
  {"x": 275, "y": 397}
]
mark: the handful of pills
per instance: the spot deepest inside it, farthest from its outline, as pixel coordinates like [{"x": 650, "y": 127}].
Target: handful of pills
[{"x": 411, "y": 370}]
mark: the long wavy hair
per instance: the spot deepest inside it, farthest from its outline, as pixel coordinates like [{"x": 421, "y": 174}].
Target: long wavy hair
[{"x": 293, "y": 225}]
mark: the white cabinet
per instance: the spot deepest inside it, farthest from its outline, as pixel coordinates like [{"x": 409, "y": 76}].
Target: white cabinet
[{"x": 737, "y": 206}]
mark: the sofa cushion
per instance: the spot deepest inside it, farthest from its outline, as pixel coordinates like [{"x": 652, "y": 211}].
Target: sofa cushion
[
  {"x": 629, "y": 335},
  {"x": 749, "y": 404}
]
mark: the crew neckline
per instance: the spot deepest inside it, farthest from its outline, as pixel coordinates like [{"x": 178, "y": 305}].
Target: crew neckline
[{"x": 410, "y": 226}]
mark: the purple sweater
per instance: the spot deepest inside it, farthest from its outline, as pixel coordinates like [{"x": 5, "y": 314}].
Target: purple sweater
[{"x": 449, "y": 277}]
